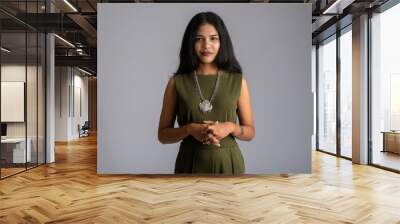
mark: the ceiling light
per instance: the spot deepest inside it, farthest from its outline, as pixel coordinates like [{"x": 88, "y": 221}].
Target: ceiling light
[
  {"x": 331, "y": 7},
  {"x": 79, "y": 51},
  {"x": 5, "y": 50},
  {"x": 84, "y": 71},
  {"x": 70, "y": 5},
  {"x": 65, "y": 41}
]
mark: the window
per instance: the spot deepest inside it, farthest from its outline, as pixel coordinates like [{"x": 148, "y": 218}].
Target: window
[
  {"x": 385, "y": 88},
  {"x": 327, "y": 95},
  {"x": 346, "y": 75}
]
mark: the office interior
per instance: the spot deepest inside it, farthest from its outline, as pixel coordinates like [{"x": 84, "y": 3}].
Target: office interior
[
  {"x": 30, "y": 56},
  {"x": 48, "y": 81}
]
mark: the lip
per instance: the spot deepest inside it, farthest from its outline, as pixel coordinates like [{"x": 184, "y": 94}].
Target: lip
[{"x": 206, "y": 53}]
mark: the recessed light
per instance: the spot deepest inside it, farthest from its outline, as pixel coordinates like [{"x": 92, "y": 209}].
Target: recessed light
[
  {"x": 70, "y": 5},
  {"x": 64, "y": 40},
  {"x": 5, "y": 50},
  {"x": 331, "y": 7},
  {"x": 84, "y": 71}
]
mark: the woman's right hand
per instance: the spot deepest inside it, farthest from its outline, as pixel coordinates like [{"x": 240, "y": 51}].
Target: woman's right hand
[{"x": 199, "y": 132}]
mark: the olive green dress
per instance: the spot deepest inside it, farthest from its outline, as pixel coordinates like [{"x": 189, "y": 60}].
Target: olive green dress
[{"x": 194, "y": 156}]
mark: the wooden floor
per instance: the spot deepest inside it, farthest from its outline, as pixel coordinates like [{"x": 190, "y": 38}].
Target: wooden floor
[
  {"x": 5, "y": 172},
  {"x": 70, "y": 191},
  {"x": 387, "y": 159}
]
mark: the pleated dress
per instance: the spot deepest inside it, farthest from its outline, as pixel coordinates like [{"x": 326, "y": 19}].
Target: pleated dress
[{"x": 194, "y": 156}]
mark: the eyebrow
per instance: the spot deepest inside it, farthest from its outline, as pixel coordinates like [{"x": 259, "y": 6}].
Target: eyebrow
[{"x": 203, "y": 35}]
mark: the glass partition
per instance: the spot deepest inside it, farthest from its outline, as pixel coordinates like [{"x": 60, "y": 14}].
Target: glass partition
[
  {"x": 14, "y": 154},
  {"x": 41, "y": 87},
  {"x": 22, "y": 63},
  {"x": 346, "y": 93},
  {"x": 32, "y": 95},
  {"x": 327, "y": 95},
  {"x": 385, "y": 89}
]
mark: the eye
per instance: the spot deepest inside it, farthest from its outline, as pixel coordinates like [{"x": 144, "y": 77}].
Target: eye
[
  {"x": 214, "y": 38},
  {"x": 197, "y": 39}
]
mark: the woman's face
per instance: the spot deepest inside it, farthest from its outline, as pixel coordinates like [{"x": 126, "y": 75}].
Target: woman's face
[{"x": 207, "y": 43}]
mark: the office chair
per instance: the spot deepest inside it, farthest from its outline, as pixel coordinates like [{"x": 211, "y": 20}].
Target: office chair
[{"x": 84, "y": 130}]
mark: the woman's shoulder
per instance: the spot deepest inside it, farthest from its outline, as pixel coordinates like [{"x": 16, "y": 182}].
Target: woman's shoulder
[
  {"x": 237, "y": 76},
  {"x": 179, "y": 77},
  {"x": 232, "y": 72},
  {"x": 180, "y": 81},
  {"x": 175, "y": 79}
]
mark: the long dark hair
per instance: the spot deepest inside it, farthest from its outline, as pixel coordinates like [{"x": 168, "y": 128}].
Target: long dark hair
[{"x": 225, "y": 58}]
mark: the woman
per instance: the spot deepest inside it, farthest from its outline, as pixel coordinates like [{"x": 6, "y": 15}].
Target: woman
[{"x": 207, "y": 93}]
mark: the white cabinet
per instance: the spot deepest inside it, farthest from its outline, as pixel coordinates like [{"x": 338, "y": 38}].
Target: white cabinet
[{"x": 18, "y": 149}]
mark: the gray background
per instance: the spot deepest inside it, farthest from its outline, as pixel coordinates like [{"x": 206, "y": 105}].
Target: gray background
[{"x": 138, "y": 47}]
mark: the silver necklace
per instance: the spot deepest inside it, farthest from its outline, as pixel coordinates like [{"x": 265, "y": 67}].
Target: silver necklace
[{"x": 206, "y": 105}]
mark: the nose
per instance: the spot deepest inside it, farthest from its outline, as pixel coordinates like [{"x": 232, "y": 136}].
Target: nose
[{"x": 206, "y": 44}]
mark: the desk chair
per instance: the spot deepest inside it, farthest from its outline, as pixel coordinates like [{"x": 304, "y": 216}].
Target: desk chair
[{"x": 84, "y": 130}]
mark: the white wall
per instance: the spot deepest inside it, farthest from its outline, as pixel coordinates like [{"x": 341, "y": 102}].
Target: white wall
[
  {"x": 10, "y": 73},
  {"x": 15, "y": 72},
  {"x": 79, "y": 117},
  {"x": 61, "y": 103},
  {"x": 33, "y": 127},
  {"x": 136, "y": 57},
  {"x": 67, "y": 83}
]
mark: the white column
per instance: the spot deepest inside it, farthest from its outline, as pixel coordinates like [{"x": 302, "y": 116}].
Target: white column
[
  {"x": 50, "y": 79},
  {"x": 50, "y": 91},
  {"x": 314, "y": 91},
  {"x": 360, "y": 90}
]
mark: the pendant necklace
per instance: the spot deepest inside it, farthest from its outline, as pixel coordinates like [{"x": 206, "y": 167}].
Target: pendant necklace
[{"x": 206, "y": 105}]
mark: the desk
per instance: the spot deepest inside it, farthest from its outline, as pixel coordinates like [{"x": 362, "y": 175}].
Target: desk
[
  {"x": 13, "y": 150},
  {"x": 391, "y": 141}
]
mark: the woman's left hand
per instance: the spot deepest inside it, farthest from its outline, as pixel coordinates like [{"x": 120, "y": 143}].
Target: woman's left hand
[{"x": 219, "y": 130}]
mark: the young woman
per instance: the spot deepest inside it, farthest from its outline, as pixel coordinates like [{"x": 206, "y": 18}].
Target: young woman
[{"x": 206, "y": 94}]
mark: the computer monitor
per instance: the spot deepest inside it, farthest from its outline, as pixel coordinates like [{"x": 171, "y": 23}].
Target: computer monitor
[{"x": 3, "y": 129}]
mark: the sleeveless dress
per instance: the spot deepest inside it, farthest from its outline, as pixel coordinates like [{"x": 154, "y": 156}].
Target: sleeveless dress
[{"x": 194, "y": 156}]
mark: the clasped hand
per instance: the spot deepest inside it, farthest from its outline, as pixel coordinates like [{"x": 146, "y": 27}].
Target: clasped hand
[{"x": 211, "y": 132}]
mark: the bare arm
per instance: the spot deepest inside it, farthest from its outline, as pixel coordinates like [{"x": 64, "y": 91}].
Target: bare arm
[
  {"x": 245, "y": 115},
  {"x": 166, "y": 131}
]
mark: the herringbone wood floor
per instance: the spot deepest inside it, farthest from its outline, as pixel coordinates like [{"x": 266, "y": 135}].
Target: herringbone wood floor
[{"x": 70, "y": 191}]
